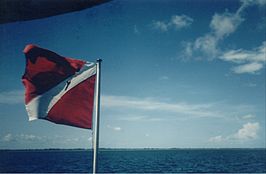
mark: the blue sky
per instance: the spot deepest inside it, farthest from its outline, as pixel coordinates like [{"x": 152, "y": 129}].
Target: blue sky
[{"x": 184, "y": 74}]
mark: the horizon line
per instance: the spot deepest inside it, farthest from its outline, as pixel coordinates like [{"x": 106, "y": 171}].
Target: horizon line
[{"x": 142, "y": 148}]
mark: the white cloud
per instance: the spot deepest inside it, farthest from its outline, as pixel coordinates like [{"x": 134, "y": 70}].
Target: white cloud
[
  {"x": 251, "y": 85},
  {"x": 241, "y": 56},
  {"x": 225, "y": 24},
  {"x": 117, "y": 128},
  {"x": 31, "y": 140},
  {"x": 247, "y": 3},
  {"x": 148, "y": 104},
  {"x": 29, "y": 137},
  {"x": 261, "y": 2},
  {"x": 164, "y": 78},
  {"x": 248, "y": 68},
  {"x": 155, "y": 119},
  {"x": 206, "y": 45},
  {"x": 236, "y": 56},
  {"x": 216, "y": 139},
  {"x": 132, "y": 118},
  {"x": 181, "y": 21},
  {"x": 7, "y": 138},
  {"x": 140, "y": 118},
  {"x": 136, "y": 31},
  {"x": 248, "y": 116},
  {"x": 251, "y": 60},
  {"x": 114, "y": 128},
  {"x": 176, "y": 21},
  {"x": 11, "y": 97},
  {"x": 222, "y": 25},
  {"x": 150, "y": 109},
  {"x": 248, "y": 131},
  {"x": 20, "y": 137},
  {"x": 162, "y": 26},
  {"x": 188, "y": 49}
]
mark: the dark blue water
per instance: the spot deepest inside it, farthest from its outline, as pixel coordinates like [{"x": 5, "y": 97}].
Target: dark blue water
[{"x": 136, "y": 161}]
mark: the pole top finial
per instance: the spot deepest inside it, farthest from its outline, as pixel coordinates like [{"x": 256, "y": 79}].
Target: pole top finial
[{"x": 99, "y": 60}]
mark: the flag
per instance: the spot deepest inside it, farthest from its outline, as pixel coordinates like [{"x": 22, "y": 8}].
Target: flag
[{"x": 57, "y": 88}]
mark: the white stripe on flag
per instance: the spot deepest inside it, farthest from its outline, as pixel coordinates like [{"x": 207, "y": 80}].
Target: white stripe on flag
[{"x": 40, "y": 106}]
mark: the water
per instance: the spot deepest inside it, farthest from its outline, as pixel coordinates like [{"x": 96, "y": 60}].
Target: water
[{"x": 136, "y": 161}]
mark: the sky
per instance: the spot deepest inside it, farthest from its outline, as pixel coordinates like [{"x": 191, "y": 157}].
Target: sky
[{"x": 175, "y": 74}]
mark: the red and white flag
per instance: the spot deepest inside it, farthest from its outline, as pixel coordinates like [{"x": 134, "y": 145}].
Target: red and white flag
[{"x": 57, "y": 88}]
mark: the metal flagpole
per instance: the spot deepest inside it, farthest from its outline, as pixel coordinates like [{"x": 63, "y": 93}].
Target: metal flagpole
[{"x": 97, "y": 116}]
